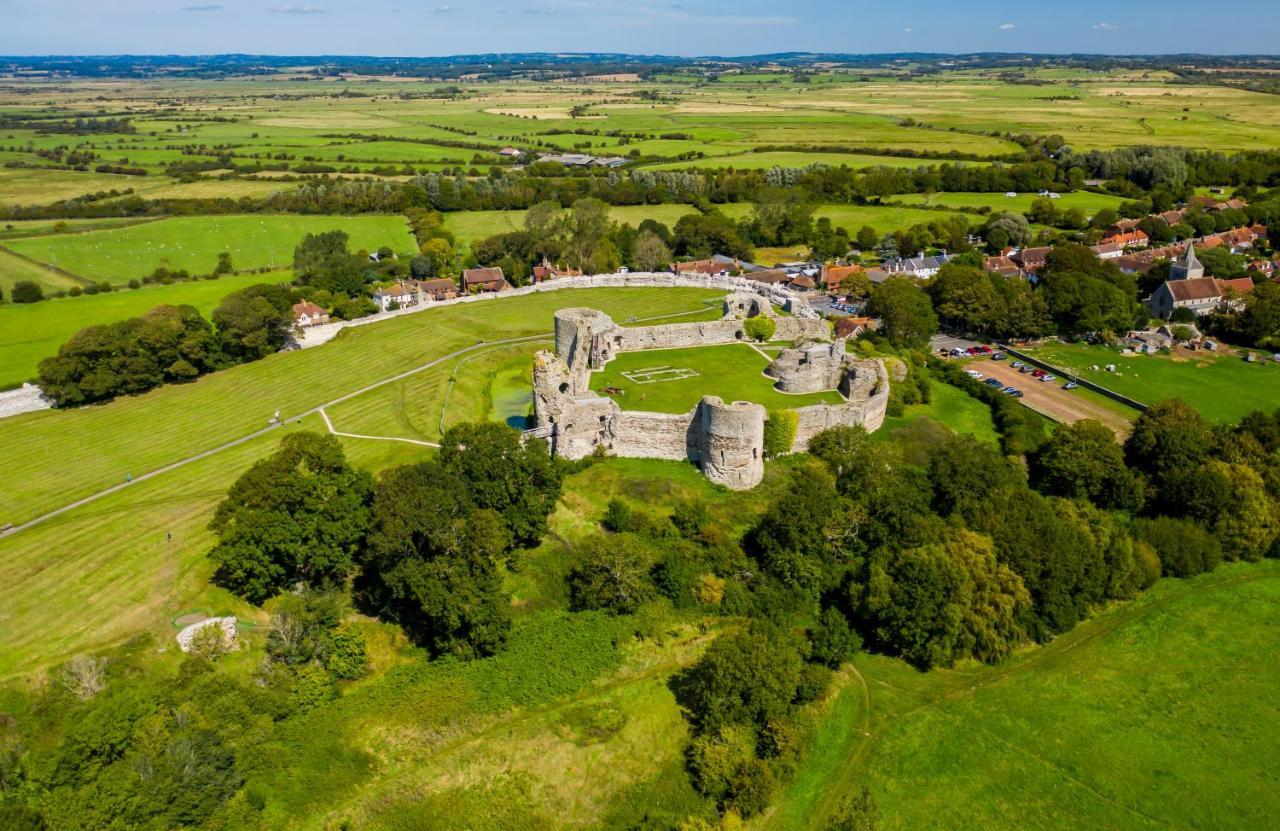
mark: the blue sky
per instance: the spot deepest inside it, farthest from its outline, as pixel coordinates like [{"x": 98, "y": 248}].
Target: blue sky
[{"x": 675, "y": 27}]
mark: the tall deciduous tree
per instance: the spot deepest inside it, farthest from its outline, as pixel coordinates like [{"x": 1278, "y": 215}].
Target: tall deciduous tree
[{"x": 298, "y": 516}]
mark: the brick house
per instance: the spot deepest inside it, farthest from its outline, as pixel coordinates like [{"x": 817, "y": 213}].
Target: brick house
[{"x": 476, "y": 280}]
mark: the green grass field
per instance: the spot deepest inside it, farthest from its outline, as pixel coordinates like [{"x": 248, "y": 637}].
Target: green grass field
[
  {"x": 29, "y": 333},
  {"x": 1088, "y": 202},
  {"x": 14, "y": 269},
  {"x": 783, "y": 158},
  {"x": 734, "y": 372},
  {"x": 193, "y": 243},
  {"x": 469, "y": 226},
  {"x": 1156, "y": 713},
  {"x": 1223, "y": 388}
]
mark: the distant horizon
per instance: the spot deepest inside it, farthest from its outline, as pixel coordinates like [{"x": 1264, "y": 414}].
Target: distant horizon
[
  {"x": 677, "y": 28},
  {"x": 745, "y": 56}
]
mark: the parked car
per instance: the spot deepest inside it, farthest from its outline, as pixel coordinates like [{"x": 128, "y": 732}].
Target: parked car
[
  {"x": 1016, "y": 393},
  {"x": 985, "y": 350},
  {"x": 1048, "y": 377},
  {"x": 999, "y": 356},
  {"x": 973, "y": 373},
  {"x": 1070, "y": 385},
  {"x": 1024, "y": 369},
  {"x": 994, "y": 382},
  {"x": 1009, "y": 390},
  {"x": 1038, "y": 373}
]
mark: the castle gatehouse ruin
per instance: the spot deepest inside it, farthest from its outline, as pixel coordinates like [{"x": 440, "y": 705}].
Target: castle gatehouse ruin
[{"x": 724, "y": 439}]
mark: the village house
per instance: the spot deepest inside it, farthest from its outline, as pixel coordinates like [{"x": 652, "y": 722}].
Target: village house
[
  {"x": 509, "y": 153},
  {"x": 1129, "y": 239},
  {"x": 769, "y": 276},
  {"x": 1031, "y": 260},
  {"x": 802, "y": 282},
  {"x": 476, "y": 280},
  {"x": 547, "y": 271},
  {"x": 306, "y": 313},
  {"x": 854, "y": 327},
  {"x": 400, "y": 294},
  {"x": 1108, "y": 251},
  {"x": 440, "y": 288},
  {"x": 920, "y": 266},
  {"x": 1001, "y": 265},
  {"x": 833, "y": 275}
]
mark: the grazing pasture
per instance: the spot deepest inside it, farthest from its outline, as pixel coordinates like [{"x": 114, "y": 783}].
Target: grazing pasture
[
  {"x": 1088, "y": 202},
  {"x": 194, "y": 243}
]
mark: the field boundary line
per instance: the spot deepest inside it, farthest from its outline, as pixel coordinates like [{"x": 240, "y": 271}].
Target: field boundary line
[{"x": 83, "y": 281}]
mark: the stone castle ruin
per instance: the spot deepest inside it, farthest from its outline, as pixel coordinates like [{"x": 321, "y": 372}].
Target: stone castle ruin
[{"x": 725, "y": 440}]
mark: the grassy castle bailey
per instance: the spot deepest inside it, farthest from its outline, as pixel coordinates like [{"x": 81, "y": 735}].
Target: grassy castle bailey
[{"x": 724, "y": 439}]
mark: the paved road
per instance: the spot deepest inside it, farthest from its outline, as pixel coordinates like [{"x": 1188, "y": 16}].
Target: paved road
[
  {"x": 287, "y": 417},
  {"x": 1050, "y": 399}
]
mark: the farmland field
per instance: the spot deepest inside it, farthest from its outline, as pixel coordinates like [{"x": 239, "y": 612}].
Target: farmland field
[
  {"x": 193, "y": 243},
  {"x": 32, "y": 332},
  {"x": 1222, "y": 387},
  {"x": 675, "y": 380},
  {"x": 762, "y": 161}
]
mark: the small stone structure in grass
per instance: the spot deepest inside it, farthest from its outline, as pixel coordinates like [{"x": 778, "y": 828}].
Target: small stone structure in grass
[
  {"x": 724, "y": 439},
  {"x": 189, "y": 633}
]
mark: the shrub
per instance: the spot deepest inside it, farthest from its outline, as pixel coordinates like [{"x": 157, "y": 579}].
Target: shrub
[
  {"x": 25, "y": 291},
  {"x": 834, "y": 641},
  {"x": 614, "y": 577},
  {"x": 780, "y": 432},
  {"x": 1184, "y": 548},
  {"x": 347, "y": 656},
  {"x": 760, "y": 329}
]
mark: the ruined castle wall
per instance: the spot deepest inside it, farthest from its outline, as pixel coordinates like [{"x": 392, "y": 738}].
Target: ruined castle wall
[
  {"x": 866, "y": 409},
  {"x": 653, "y": 435},
  {"x": 731, "y": 439},
  {"x": 708, "y": 333}
]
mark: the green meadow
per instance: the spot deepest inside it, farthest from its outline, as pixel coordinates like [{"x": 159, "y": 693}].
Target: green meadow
[
  {"x": 1222, "y": 387},
  {"x": 1088, "y": 202},
  {"x": 1063, "y": 735},
  {"x": 194, "y": 243},
  {"x": 29, "y": 333}
]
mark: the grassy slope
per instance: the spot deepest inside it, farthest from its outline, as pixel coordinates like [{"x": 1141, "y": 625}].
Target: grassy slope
[
  {"x": 1223, "y": 388},
  {"x": 470, "y": 226},
  {"x": 733, "y": 372},
  {"x": 1156, "y": 713},
  {"x": 30, "y": 333},
  {"x": 56, "y": 457},
  {"x": 1090, "y": 203},
  {"x": 783, "y": 158},
  {"x": 14, "y": 269},
  {"x": 193, "y": 243}
]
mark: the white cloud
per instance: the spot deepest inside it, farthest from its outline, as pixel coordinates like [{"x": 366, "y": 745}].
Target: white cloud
[
  {"x": 298, "y": 10},
  {"x": 1004, "y": 27},
  {"x": 907, "y": 29},
  {"x": 1106, "y": 27}
]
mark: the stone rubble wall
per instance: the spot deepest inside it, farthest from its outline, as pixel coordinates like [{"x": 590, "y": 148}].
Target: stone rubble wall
[{"x": 868, "y": 394}]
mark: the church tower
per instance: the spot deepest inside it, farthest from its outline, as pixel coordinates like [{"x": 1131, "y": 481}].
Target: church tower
[{"x": 1186, "y": 267}]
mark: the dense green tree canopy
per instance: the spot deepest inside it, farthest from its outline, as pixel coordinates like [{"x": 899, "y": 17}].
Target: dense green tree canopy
[{"x": 296, "y": 517}]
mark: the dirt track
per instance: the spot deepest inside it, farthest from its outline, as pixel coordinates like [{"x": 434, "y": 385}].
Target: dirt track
[{"x": 1050, "y": 399}]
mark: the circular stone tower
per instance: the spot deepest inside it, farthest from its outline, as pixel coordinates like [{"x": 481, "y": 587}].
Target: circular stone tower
[{"x": 731, "y": 442}]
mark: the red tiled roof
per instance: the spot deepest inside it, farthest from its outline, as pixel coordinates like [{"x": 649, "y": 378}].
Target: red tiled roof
[
  {"x": 1200, "y": 288},
  {"x": 477, "y": 276},
  {"x": 306, "y": 307},
  {"x": 1240, "y": 285}
]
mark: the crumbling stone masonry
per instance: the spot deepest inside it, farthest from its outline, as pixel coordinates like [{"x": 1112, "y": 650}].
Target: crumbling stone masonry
[{"x": 725, "y": 440}]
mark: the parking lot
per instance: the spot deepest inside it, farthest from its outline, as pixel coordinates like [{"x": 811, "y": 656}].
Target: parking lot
[{"x": 1049, "y": 398}]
